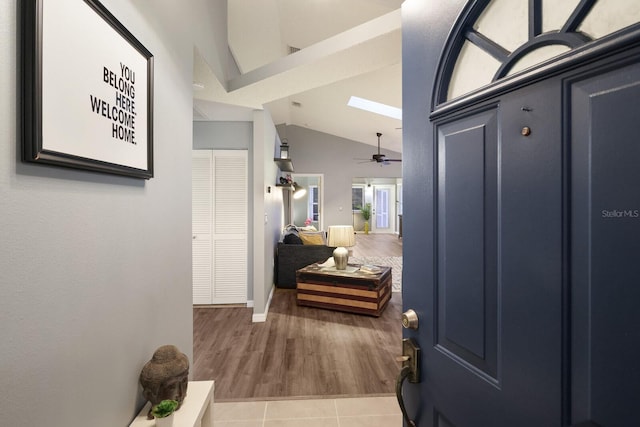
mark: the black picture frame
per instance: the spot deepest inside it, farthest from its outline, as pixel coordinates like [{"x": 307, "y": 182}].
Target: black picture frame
[{"x": 87, "y": 90}]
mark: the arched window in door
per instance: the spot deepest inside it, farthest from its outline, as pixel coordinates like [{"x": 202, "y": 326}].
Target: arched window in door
[{"x": 498, "y": 38}]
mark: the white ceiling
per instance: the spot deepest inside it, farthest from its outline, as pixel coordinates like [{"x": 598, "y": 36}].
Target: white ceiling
[{"x": 347, "y": 47}]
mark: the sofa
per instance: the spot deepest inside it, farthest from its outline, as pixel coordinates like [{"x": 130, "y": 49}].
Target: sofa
[{"x": 292, "y": 255}]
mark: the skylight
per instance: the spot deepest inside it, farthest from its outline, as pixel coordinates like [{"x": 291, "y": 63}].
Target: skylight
[{"x": 375, "y": 107}]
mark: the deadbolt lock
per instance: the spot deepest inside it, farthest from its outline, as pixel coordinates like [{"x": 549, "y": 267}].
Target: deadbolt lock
[{"x": 410, "y": 319}]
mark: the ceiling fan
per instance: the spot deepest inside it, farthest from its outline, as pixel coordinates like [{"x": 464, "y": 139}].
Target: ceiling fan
[{"x": 380, "y": 158}]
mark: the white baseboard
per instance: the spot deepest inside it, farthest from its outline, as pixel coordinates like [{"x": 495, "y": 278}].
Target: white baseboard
[
  {"x": 262, "y": 317},
  {"x": 249, "y": 303},
  {"x": 259, "y": 318}
]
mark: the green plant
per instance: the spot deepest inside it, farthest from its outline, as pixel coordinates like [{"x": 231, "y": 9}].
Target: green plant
[
  {"x": 164, "y": 408},
  {"x": 366, "y": 211}
]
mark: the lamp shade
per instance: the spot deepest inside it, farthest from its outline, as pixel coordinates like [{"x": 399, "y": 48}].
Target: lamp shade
[
  {"x": 298, "y": 191},
  {"x": 341, "y": 235}
]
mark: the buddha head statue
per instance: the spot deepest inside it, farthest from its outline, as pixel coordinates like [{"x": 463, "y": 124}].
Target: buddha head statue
[{"x": 165, "y": 376}]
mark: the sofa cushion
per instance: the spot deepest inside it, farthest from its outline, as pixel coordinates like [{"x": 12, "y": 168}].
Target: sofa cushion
[{"x": 316, "y": 238}]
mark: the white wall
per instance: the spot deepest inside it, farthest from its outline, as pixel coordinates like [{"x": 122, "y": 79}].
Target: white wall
[
  {"x": 268, "y": 217},
  {"x": 95, "y": 269}
]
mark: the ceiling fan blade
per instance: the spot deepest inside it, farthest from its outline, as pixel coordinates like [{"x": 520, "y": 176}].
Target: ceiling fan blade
[{"x": 378, "y": 157}]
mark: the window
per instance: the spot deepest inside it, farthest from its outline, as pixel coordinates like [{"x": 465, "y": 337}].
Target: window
[
  {"x": 498, "y": 38},
  {"x": 313, "y": 209},
  {"x": 357, "y": 197}
]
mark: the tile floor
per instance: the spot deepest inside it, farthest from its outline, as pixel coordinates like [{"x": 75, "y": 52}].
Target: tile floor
[{"x": 348, "y": 412}]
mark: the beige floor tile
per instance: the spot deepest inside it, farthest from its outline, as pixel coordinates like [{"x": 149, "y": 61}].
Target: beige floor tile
[
  {"x": 236, "y": 411},
  {"x": 374, "y": 421},
  {"x": 313, "y": 408},
  {"x": 303, "y": 422},
  {"x": 386, "y": 405},
  {"x": 245, "y": 423}
]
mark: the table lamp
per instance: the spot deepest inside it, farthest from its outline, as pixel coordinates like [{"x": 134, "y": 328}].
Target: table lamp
[{"x": 341, "y": 236}]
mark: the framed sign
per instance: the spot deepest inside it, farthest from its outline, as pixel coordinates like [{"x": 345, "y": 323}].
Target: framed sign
[{"x": 87, "y": 89}]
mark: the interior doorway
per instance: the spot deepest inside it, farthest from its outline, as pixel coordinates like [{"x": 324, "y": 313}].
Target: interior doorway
[
  {"x": 382, "y": 196},
  {"x": 307, "y": 208},
  {"x": 384, "y": 209}
]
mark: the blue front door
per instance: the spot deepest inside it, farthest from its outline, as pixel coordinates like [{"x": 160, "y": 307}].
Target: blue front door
[
  {"x": 521, "y": 249},
  {"x": 492, "y": 342}
]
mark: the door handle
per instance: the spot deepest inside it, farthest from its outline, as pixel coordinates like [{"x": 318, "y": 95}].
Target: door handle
[
  {"x": 410, "y": 319},
  {"x": 410, "y": 370}
]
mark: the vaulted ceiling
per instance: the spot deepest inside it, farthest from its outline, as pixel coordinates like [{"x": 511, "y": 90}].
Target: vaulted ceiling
[{"x": 303, "y": 59}]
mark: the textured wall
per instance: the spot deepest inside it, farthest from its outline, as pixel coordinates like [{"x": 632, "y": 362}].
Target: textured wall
[{"x": 95, "y": 270}]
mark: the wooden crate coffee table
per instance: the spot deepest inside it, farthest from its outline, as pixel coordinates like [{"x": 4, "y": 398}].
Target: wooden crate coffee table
[{"x": 348, "y": 290}]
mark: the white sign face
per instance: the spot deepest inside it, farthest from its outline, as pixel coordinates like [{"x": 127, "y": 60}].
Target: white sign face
[{"x": 95, "y": 89}]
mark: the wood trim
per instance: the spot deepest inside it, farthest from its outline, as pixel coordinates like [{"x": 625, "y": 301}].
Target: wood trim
[
  {"x": 337, "y": 290},
  {"x": 337, "y": 301}
]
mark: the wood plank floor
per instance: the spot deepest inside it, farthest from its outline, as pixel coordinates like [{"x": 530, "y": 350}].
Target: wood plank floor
[{"x": 299, "y": 351}]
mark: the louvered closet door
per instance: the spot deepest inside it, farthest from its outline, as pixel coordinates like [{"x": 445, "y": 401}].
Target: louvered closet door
[
  {"x": 219, "y": 191},
  {"x": 201, "y": 216},
  {"x": 230, "y": 227}
]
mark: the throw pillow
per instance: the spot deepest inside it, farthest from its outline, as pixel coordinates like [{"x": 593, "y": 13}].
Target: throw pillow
[
  {"x": 316, "y": 238},
  {"x": 292, "y": 239}
]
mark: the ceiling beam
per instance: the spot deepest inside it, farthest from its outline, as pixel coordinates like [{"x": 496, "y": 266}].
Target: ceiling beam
[{"x": 362, "y": 49}]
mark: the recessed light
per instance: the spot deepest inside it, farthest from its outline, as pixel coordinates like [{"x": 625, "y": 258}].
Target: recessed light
[{"x": 375, "y": 107}]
